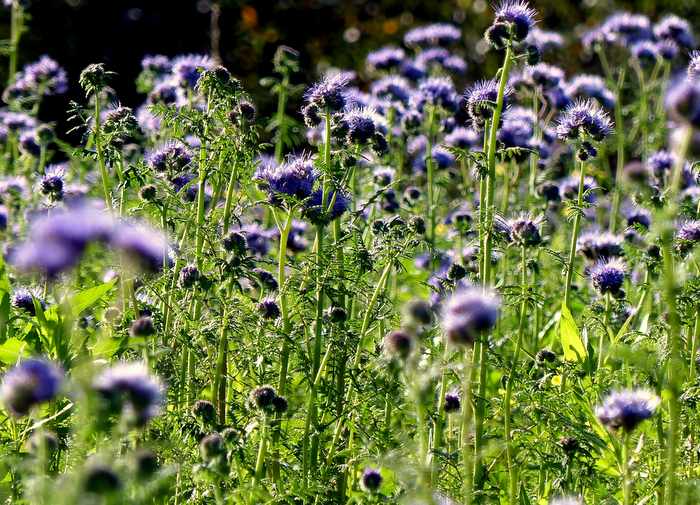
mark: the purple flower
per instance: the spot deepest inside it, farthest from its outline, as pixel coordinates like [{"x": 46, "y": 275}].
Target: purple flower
[
  {"x": 52, "y": 182},
  {"x": 544, "y": 40},
  {"x": 257, "y": 238},
  {"x": 329, "y": 93},
  {"x": 173, "y": 156},
  {"x": 468, "y": 314},
  {"x": 452, "y": 402},
  {"x": 595, "y": 245},
  {"x": 336, "y": 204},
  {"x": 683, "y": 101},
  {"x": 394, "y": 88},
  {"x": 438, "y": 34},
  {"x": 584, "y": 118},
  {"x": 675, "y": 29},
  {"x": 129, "y": 389},
  {"x": 371, "y": 479},
  {"x": 694, "y": 65},
  {"x": 29, "y": 143},
  {"x": 24, "y": 299},
  {"x": 638, "y": 216},
  {"x": 386, "y": 58},
  {"x": 646, "y": 51},
  {"x": 464, "y": 138},
  {"x": 44, "y": 77},
  {"x": 187, "y": 68},
  {"x": 621, "y": 28},
  {"x": 146, "y": 247},
  {"x": 518, "y": 15},
  {"x": 481, "y": 100},
  {"x": 608, "y": 275},
  {"x": 436, "y": 91},
  {"x": 627, "y": 408},
  {"x": 667, "y": 49},
  {"x": 357, "y": 126},
  {"x": 438, "y": 57},
  {"x": 157, "y": 64},
  {"x": 293, "y": 178},
  {"x": 525, "y": 230},
  {"x": 544, "y": 75},
  {"x": 591, "y": 86},
  {"x": 688, "y": 235},
  {"x": 31, "y": 382}
]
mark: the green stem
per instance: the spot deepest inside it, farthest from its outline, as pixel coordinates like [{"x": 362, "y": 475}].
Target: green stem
[
  {"x": 512, "y": 470},
  {"x": 626, "y": 477},
  {"x": 467, "y": 453},
  {"x": 574, "y": 235},
  {"x": 491, "y": 162},
  {"x": 100, "y": 155}
]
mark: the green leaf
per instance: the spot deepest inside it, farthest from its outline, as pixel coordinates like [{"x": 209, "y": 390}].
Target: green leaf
[
  {"x": 570, "y": 337},
  {"x": 11, "y": 350},
  {"x": 89, "y": 297}
]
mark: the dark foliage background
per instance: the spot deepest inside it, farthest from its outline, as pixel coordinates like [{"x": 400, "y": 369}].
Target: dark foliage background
[{"x": 337, "y": 32}]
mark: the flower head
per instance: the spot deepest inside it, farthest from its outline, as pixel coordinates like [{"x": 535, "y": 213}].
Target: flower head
[
  {"x": 293, "y": 178},
  {"x": 386, "y": 58},
  {"x": 129, "y": 389},
  {"x": 627, "y": 408},
  {"x": 608, "y": 275},
  {"x": 394, "y": 88},
  {"x": 584, "y": 117},
  {"x": 172, "y": 156},
  {"x": 468, "y": 314},
  {"x": 688, "y": 235},
  {"x": 438, "y": 34},
  {"x": 187, "y": 68},
  {"x": 590, "y": 86},
  {"x": 675, "y": 29},
  {"x": 328, "y": 94},
  {"x": 371, "y": 479},
  {"x": 31, "y": 382},
  {"x": 683, "y": 100},
  {"x": 481, "y": 100},
  {"x": 518, "y": 15},
  {"x": 437, "y": 91}
]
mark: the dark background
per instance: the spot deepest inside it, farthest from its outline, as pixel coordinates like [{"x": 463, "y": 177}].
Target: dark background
[{"x": 337, "y": 32}]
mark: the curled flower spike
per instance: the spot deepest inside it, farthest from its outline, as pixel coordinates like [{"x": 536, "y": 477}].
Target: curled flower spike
[
  {"x": 128, "y": 389},
  {"x": 371, "y": 480},
  {"x": 186, "y": 69},
  {"x": 595, "y": 245},
  {"x": 394, "y": 88},
  {"x": 590, "y": 86},
  {"x": 438, "y": 34},
  {"x": 544, "y": 75},
  {"x": 30, "y": 383},
  {"x": 627, "y": 408},
  {"x": 437, "y": 91},
  {"x": 518, "y": 15},
  {"x": 328, "y": 93},
  {"x": 584, "y": 118},
  {"x": 683, "y": 101},
  {"x": 687, "y": 236},
  {"x": 386, "y": 58},
  {"x": 172, "y": 156},
  {"x": 675, "y": 29},
  {"x": 481, "y": 100},
  {"x": 544, "y": 40},
  {"x": 525, "y": 230},
  {"x": 293, "y": 178},
  {"x": 694, "y": 65},
  {"x": 468, "y": 314},
  {"x": 608, "y": 275}
]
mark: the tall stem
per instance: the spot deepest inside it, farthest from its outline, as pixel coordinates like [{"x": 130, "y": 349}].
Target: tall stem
[
  {"x": 100, "y": 154},
  {"x": 430, "y": 168},
  {"x": 491, "y": 162},
  {"x": 467, "y": 452},
  {"x": 574, "y": 234},
  {"x": 626, "y": 477},
  {"x": 512, "y": 470}
]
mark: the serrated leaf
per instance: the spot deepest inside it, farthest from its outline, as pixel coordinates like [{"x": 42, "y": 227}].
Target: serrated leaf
[{"x": 570, "y": 337}]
